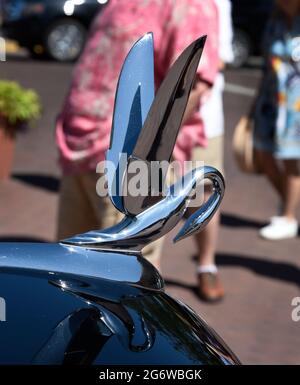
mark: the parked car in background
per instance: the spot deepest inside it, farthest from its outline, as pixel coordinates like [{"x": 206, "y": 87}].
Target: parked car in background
[
  {"x": 58, "y": 27},
  {"x": 249, "y": 20},
  {"x": 53, "y": 27}
]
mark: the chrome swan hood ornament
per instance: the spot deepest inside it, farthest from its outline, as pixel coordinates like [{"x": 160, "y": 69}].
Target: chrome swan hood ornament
[
  {"x": 135, "y": 232},
  {"x": 145, "y": 129}
]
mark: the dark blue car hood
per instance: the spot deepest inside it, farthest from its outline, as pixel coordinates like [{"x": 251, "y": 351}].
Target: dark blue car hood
[{"x": 111, "y": 310}]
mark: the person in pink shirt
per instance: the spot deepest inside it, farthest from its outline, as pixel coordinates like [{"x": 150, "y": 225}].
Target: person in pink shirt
[{"x": 83, "y": 127}]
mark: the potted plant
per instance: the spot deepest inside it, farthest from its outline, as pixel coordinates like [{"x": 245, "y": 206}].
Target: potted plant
[{"x": 18, "y": 107}]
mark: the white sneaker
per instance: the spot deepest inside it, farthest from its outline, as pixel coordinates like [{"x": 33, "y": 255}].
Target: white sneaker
[{"x": 280, "y": 228}]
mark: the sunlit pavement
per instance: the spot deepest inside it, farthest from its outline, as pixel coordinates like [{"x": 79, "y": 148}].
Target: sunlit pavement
[{"x": 261, "y": 278}]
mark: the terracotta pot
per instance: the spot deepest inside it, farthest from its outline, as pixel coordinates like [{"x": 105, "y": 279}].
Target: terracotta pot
[{"x": 7, "y": 148}]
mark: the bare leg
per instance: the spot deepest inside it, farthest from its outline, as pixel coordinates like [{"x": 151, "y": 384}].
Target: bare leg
[
  {"x": 272, "y": 170},
  {"x": 291, "y": 187},
  {"x": 207, "y": 239},
  {"x": 210, "y": 287}
]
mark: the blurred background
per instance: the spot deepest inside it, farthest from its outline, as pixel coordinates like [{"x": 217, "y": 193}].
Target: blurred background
[
  {"x": 57, "y": 28},
  {"x": 42, "y": 41}
]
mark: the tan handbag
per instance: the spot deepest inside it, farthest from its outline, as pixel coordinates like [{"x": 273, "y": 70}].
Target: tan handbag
[{"x": 243, "y": 146}]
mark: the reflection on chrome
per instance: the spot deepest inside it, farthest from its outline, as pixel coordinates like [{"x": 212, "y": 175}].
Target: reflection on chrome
[{"x": 134, "y": 232}]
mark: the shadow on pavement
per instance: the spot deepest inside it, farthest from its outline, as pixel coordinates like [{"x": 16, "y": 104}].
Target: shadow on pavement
[
  {"x": 281, "y": 271},
  {"x": 46, "y": 182},
  {"x": 17, "y": 57},
  {"x": 26, "y": 57},
  {"x": 191, "y": 288},
  {"x": 275, "y": 270},
  {"x": 182, "y": 285},
  {"x": 233, "y": 220}
]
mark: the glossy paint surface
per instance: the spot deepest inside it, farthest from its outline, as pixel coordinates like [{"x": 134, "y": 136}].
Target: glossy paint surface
[
  {"x": 68, "y": 319},
  {"x": 57, "y": 258}
]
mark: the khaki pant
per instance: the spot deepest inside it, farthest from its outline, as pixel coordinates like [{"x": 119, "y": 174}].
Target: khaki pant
[
  {"x": 82, "y": 210},
  {"x": 213, "y": 154}
]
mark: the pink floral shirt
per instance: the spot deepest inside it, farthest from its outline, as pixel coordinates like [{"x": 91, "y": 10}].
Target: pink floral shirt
[{"x": 83, "y": 128}]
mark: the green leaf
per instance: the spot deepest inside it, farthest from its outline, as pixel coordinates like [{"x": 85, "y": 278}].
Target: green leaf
[{"x": 17, "y": 104}]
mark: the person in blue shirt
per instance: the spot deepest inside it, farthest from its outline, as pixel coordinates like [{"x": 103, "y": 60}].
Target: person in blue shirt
[{"x": 277, "y": 116}]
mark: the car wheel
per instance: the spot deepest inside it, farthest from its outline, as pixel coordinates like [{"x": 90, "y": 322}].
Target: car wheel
[
  {"x": 65, "y": 39},
  {"x": 241, "y": 48}
]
